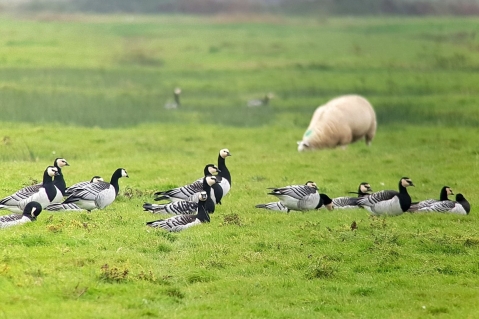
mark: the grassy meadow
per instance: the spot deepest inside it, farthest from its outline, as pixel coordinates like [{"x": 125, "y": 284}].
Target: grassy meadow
[{"x": 92, "y": 89}]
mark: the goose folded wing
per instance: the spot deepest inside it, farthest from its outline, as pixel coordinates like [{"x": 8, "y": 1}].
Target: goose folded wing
[
  {"x": 89, "y": 192},
  {"x": 10, "y": 218},
  {"x": 296, "y": 191},
  {"x": 441, "y": 206},
  {"x": 185, "y": 190},
  {"x": 21, "y": 194},
  {"x": 377, "y": 197}
]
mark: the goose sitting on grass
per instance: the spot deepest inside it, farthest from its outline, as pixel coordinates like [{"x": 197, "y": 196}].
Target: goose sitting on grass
[
  {"x": 460, "y": 206},
  {"x": 93, "y": 196},
  {"x": 30, "y": 214},
  {"x": 301, "y": 197},
  {"x": 389, "y": 202},
  {"x": 443, "y": 195},
  {"x": 180, "y": 222},
  {"x": 346, "y": 202},
  {"x": 47, "y": 194}
]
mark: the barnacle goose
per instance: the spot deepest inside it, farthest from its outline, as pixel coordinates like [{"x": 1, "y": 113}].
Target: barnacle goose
[
  {"x": 260, "y": 102},
  {"x": 224, "y": 173},
  {"x": 58, "y": 181},
  {"x": 48, "y": 193},
  {"x": 70, "y": 190},
  {"x": 389, "y": 202},
  {"x": 460, "y": 206},
  {"x": 94, "y": 195},
  {"x": 176, "y": 103},
  {"x": 346, "y": 202},
  {"x": 185, "y": 192},
  {"x": 187, "y": 206},
  {"x": 30, "y": 213},
  {"x": 180, "y": 222},
  {"x": 182, "y": 207},
  {"x": 443, "y": 195},
  {"x": 300, "y": 197},
  {"x": 278, "y": 206}
]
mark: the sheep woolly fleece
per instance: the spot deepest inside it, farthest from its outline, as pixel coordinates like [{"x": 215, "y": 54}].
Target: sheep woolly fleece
[{"x": 341, "y": 121}]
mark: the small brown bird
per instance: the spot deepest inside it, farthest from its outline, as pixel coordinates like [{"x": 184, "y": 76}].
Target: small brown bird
[{"x": 354, "y": 225}]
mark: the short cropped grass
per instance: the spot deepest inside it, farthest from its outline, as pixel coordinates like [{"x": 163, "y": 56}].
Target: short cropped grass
[{"x": 92, "y": 89}]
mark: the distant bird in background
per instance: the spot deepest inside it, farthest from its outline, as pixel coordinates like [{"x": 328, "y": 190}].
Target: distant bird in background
[
  {"x": 173, "y": 105},
  {"x": 262, "y": 102}
]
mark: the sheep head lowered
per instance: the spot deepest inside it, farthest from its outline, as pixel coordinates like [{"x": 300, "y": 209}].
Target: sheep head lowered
[{"x": 341, "y": 121}]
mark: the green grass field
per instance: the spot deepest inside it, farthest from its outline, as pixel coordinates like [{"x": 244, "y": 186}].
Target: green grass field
[{"x": 92, "y": 89}]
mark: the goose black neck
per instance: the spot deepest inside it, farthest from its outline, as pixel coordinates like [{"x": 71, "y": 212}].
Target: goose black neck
[
  {"x": 225, "y": 173},
  {"x": 203, "y": 215},
  {"x": 404, "y": 198},
  {"x": 209, "y": 203},
  {"x": 114, "y": 181},
  {"x": 47, "y": 178},
  {"x": 59, "y": 181},
  {"x": 443, "y": 194}
]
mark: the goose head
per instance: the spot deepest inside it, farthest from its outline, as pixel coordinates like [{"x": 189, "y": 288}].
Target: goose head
[
  {"x": 211, "y": 180},
  {"x": 224, "y": 153},
  {"x": 211, "y": 169},
  {"x": 52, "y": 171},
  {"x": 32, "y": 210},
  {"x": 327, "y": 201},
  {"x": 364, "y": 188},
  {"x": 406, "y": 182},
  {"x": 448, "y": 190},
  {"x": 312, "y": 184},
  {"x": 203, "y": 196},
  {"x": 61, "y": 162},
  {"x": 96, "y": 179}
]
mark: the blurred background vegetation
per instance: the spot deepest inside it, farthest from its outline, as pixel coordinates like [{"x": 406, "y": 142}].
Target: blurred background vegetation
[{"x": 325, "y": 7}]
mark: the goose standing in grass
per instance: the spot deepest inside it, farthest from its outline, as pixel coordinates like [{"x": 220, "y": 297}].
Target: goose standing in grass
[
  {"x": 389, "y": 202},
  {"x": 180, "y": 222},
  {"x": 94, "y": 195},
  {"x": 48, "y": 193},
  {"x": 30, "y": 213},
  {"x": 443, "y": 195},
  {"x": 346, "y": 202},
  {"x": 224, "y": 173},
  {"x": 261, "y": 102},
  {"x": 80, "y": 185},
  {"x": 206, "y": 185},
  {"x": 173, "y": 105},
  {"x": 460, "y": 206},
  {"x": 185, "y": 192}
]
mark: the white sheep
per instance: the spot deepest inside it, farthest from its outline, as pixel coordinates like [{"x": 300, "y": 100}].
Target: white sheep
[{"x": 341, "y": 121}]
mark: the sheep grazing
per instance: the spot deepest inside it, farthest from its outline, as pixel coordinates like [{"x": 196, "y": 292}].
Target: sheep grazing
[{"x": 341, "y": 121}]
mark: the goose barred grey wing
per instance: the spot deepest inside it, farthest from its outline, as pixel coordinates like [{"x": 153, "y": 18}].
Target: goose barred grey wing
[
  {"x": 177, "y": 208},
  {"x": 445, "y": 206},
  {"x": 276, "y": 206},
  {"x": 89, "y": 192},
  {"x": 62, "y": 206},
  {"x": 294, "y": 191},
  {"x": 13, "y": 219},
  {"x": 75, "y": 188},
  {"x": 21, "y": 194},
  {"x": 345, "y": 202},
  {"x": 180, "y": 193},
  {"x": 377, "y": 197},
  {"x": 176, "y": 223},
  {"x": 422, "y": 204}
]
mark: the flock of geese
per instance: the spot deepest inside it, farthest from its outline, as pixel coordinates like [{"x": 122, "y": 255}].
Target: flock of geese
[{"x": 191, "y": 204}]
